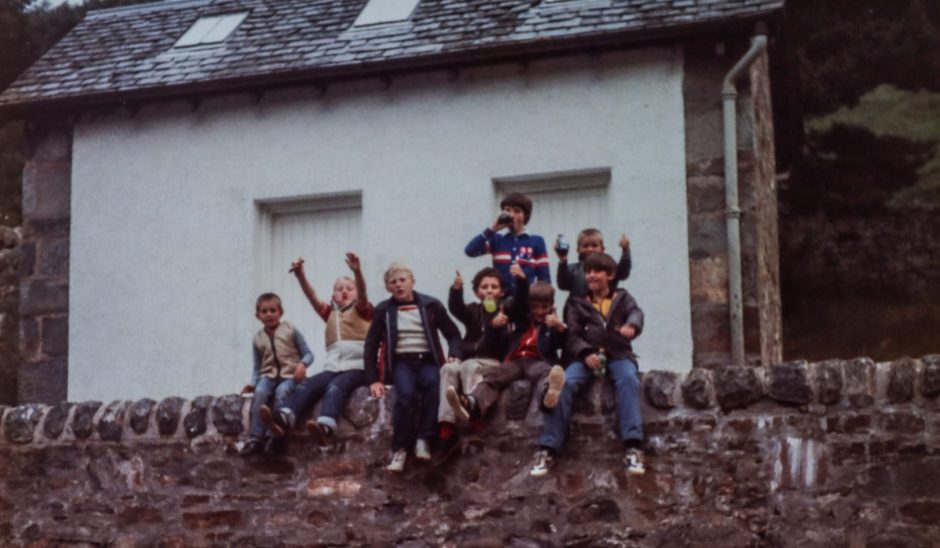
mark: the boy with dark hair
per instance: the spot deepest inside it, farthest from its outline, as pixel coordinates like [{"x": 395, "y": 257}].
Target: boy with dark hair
[
  {"x": 462, "y": 377},
  {"x": 600, "y": 330},
  {"x": 515, "y": 246},
  {"x": 407, "y": 325},
  {"x": 348, "y": 315},
  {"x": 590, "y": 240},
  {"x": 280, "y": 355},
  {"x": 530, "y": 350}
]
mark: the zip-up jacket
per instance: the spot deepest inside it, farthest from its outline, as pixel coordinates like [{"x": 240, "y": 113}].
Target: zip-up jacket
[
  {"x": 473, "y": 318},
  {"x": 588, "y": 332},
  {"x": 384, "y": 331},
  {"x": 527, "y": 250},
  {"x": 504, "y": 341}
]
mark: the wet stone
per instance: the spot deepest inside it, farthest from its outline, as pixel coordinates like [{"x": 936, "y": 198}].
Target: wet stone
[
  {"x": 55, "y": 419},
  {"x": 859, "y": 375},
  {"x": 789, "y": 383},
  {"x": 227, "y": 414},
  {"x": 901, "y": 381},
  {"x": 139, "y": 415},
  {"x": 83, "y": 421},
  {"x": 930, "y": 382},
  {"x": 516, "y": 399},
  {"x": 661, "y": 388},
  {"x": 195, "y": 421},
  {"x": 696, "y": 390},
  {"x": 362, "y": 409},
  {"x": 111, "y": 423},
  {"x": 168, "y": 415},
  {"x": 828, "y": 382},
  {"x": 737, "y": 387},
  {"x": 21, "y": 422}
]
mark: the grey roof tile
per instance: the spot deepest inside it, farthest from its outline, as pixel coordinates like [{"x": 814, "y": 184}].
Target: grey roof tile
[{"x": 122, "y": 50}]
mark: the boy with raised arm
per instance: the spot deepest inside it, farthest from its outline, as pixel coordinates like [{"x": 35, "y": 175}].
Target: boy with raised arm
[
  {"x": 590, "y": 240},
  {"x": 348, "y": 315}
]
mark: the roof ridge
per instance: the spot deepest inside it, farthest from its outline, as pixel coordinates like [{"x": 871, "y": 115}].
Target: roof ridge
[{"x": 145, "y": 7}]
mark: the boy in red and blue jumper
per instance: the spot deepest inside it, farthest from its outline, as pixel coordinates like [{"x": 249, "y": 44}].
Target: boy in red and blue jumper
[
  {"x": 515, "y": 246},
  {"x": 407, "y": 326}
]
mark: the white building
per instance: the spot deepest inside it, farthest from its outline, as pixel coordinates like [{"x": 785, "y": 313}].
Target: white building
[{"x": 185, "y": 152}]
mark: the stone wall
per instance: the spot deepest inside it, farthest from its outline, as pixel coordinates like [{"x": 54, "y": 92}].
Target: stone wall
[
  {"x": 9, "y": 312},
  {"x": 44, "y": 285},
  {"x": 838, "y": 453},
  {"x": 705, "y": 69},
  {"x": 889, "y": 253}
]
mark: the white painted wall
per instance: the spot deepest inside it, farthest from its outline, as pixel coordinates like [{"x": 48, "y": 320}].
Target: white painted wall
[{"x": 165, "y": 222}]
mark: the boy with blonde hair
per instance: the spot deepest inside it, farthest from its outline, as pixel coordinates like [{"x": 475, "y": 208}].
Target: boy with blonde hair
[{"x": 407, "y": 326}]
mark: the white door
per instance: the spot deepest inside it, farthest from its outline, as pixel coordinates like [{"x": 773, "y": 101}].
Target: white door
[{"x": 321, "y": 232}]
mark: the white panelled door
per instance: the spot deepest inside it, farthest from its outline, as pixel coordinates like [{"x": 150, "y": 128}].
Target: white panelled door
[{"x": 322, "y": 236}]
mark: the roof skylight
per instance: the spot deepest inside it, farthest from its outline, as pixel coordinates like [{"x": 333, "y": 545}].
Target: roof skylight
[
  {"x": 385, "y": 11},
  {"x": 211, "y": 29}
]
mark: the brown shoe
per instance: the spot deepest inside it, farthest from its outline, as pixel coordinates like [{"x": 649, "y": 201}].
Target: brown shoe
[
  {"x": 271, "y": 421},
  {"x": 556, "y": 382},
  {"x": 458, "y": 404}
]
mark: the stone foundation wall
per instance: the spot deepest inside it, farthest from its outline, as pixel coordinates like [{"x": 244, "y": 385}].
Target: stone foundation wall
[{"x": 838, "y": 453}]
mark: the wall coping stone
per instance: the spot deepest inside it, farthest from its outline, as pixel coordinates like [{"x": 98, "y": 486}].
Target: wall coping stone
[{"x": 860, "y": 385}]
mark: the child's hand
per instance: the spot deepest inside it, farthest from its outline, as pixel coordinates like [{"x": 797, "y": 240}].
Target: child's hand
[
  {"x": 562, "y": 253},
  {"x": 352, "y": 261},
  {"x": 554, "y": 322},
  {"x": 593, "y": 361},
  {"x": 500, "y": 319},
  {"x": 458, "y": 281},
  {"x": 516, "y": 271},
  {"x": 377, "y": 389},
  {"x": 627, "y": 331},
  {"x": 300, "y": 372},
  {"x": 297, "y": 267},
  {"x": 248, "y": 389},
  {"x": 624, "y": 241}
]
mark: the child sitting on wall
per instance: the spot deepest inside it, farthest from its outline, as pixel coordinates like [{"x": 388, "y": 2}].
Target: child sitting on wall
[
  {"x": 347, "y": 316},
  {"x": 600, "y": 330},
  {"x": 407, "y": 325},
  {"x": 530, "y": 350},
  {"x": 280, "y": 358},
  {"x": 590, "y": 240},
  {"x": 462, "y": 377}
]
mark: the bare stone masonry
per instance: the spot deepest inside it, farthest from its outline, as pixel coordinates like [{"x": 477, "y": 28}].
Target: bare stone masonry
[{"x": 836, "y": 453}]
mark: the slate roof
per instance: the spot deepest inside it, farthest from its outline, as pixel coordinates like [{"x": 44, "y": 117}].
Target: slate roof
[{"x": 127, "y": 53}]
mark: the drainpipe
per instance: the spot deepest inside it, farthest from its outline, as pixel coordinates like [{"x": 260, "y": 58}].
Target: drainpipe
[{"x": 729, "y": 96}]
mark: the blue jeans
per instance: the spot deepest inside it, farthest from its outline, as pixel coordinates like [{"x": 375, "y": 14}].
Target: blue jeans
[
  {"x": 265, "y": 390},
  {"x": 417, "y": 396},
  {"x": 578, "y": 377},
  {"x": 333, "y": 387}
]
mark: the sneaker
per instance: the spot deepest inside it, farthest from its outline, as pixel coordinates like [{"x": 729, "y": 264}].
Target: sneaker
[
  {"x": 422, "y": 450},
  {"x": 556, "y": 381},
  {"x": 251, "y": 447},
  {"x": 277, "y": 423},
  {"x": 397, "y": 464},
  {"x": 633, "y": 459},
  {"x": 543, "y": 463},
  {"x": 458, "y": 404},
  {"x": 319, "y": 432}
]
